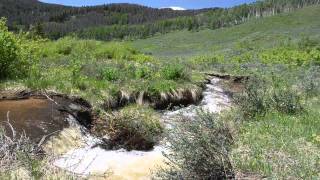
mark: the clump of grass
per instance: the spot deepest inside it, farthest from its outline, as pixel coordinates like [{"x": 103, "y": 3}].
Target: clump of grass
[
  {"x": 174, "y": 72},
  {"x": 134, "y": 128},
  {"x": 143, "y": 72},
  {"x": 198, "y": 149},
  {"x": 110, "y": 74}
]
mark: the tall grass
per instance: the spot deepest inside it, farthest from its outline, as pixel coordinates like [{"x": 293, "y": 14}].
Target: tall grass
[{"x": 279, "y": 138}]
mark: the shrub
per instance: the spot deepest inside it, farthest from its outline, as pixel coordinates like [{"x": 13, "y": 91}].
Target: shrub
[
  {"x": 286, "y": 100},
  {"x": 65, "y": 46},
  {"x": 282, "y": 96},
  {"x": 134, "y": 127},
  {"x": 173, "y": 72},
  {"x": 310, "y": 81},
  {"x": 18, "y": 54},
  {"x": 8, "y": 51},
  {"x": 254, "y": 99},
  {"x": 198, "y": 149}
]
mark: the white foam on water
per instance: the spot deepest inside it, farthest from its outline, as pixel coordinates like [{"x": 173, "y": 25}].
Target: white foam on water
[
  {"x": 95, "y": 161},
  {"x": 214, "y": 101},
  {"x": 135, "y": 164}
]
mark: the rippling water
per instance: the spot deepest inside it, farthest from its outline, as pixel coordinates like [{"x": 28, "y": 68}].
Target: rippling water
[{"x": 135, "y": 164}]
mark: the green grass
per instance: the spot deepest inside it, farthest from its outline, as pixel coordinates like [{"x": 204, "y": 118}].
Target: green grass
[
  {"x": 98, "y": 71},
  {"x": 258, "y": 33},
  {"x": 269, "y": 143},
  {"x": 281, "y": 140},
  {"x": 280, "y": 146}
]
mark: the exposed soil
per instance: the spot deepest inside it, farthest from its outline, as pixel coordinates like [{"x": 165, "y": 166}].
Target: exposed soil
[
  {"x": 162, "y": 101},
  {"x": 37, "y": 114}
]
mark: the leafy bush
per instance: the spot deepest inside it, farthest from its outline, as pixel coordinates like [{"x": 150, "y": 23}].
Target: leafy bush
[
  {"x": 286, "y": 101},
  {"x": 310, "y": 81},
  {"x": 254, "y": 99},
  {"x": 283, "y": 98},
  {"x": 206, "y": 62},
  {"x": 260, "y": 96},
  {"x": 173, "y": 72},
  {"x": 18, "y": 54},
  {"x": 290, "y": 56},
  {"x": 198, "y": 149},
  {"x": 134, "y": 127},
  {"x": 8, "y": 51}
]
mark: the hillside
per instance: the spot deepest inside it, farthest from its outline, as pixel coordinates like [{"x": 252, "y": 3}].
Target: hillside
[
  {"x": 61, "y": 20},
  {"x": 130, "y": 21},
  {"x": 257, "y": 32}
]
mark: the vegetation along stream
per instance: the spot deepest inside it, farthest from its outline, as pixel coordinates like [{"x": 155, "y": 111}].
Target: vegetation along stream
[
  {"x": 88, "y": 159},
  {"x": 124, "y": 91}
]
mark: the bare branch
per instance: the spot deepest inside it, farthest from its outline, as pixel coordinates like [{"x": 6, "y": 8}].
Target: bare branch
[{"x": 11, "y": 127}]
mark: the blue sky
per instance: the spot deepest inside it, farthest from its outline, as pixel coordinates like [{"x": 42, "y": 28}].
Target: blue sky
[{"x": 187, "y": 4}]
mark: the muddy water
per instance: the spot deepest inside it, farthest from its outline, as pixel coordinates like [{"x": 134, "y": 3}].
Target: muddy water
[
  {"x": 86, "y": 160},
  {"x": 35, "y": 117}
]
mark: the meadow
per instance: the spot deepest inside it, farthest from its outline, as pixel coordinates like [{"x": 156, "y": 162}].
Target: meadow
[
  {"x": 273, "y": 130},
  {"x": 258, "y": 33}
]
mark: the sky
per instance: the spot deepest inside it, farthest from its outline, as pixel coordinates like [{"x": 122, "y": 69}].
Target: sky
[{"x": 186, "y": 4}]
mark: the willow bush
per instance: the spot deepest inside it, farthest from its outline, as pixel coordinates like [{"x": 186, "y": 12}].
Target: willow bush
[
  {"x": 18, "y": 53},
  {"x": 198, "y": 149}
]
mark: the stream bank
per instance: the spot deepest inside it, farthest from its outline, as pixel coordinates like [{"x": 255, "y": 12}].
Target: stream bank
[
  {"x": 76, "y": 149},
  {"x": 91, "y": 160}
]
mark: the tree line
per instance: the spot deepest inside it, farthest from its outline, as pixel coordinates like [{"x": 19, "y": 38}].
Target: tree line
[
  {"x": 212, "y": 19},
  {"x": 129, "y": 21},
  {"x": 56, "y": 21}
]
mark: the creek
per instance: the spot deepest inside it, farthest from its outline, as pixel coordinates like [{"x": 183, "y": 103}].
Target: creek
[
  {"x": 89, "y": 160},
  {"x": 74, "y": 149}
]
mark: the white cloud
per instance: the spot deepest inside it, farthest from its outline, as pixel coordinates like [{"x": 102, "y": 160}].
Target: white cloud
[{"x": 174, "y": 8}]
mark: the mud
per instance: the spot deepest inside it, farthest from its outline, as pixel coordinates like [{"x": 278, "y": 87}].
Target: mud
[{"x": 39, "y": 115}]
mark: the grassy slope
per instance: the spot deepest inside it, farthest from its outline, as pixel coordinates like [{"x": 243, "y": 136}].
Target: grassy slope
[
  {"x": 261, "y": 33},
  {"x": 277, "y": 146}
]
